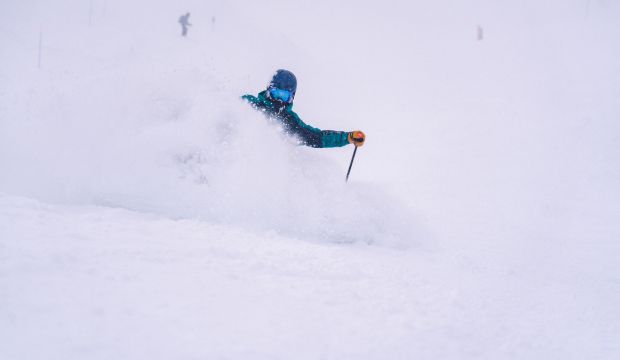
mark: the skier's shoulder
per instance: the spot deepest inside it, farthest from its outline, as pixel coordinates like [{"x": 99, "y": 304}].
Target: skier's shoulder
[
  {"x": 293, "y": 114},
  {"x": 253, "y": 100},
  {"x": 260, "y": 99}
]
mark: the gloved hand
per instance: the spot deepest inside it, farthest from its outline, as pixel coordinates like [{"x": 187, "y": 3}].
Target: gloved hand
[{"x": 357, "y": 138}]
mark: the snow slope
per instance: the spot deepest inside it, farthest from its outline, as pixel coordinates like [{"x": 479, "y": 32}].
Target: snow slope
[
  {"x": 118, "y": 284},
  {"x": 146, "y": 212}
]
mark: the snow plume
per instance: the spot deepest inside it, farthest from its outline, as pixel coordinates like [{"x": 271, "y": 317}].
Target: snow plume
[{"x": 177, "y": 144}]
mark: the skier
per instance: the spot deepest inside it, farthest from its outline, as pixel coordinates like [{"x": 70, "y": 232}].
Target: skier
[
  {"x": 277, "y": 103},
  {"x": 184, "y": 21}
]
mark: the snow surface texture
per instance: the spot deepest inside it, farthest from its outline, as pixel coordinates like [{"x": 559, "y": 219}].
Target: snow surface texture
[{"x": 146, "y": 212}]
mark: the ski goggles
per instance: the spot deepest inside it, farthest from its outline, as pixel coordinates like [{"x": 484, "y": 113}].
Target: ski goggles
[{"x": 283, "y": 95}]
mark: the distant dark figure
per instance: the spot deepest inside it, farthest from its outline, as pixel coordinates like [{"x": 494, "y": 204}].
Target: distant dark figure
[
  {"x": 184, "y": 21},
  {"x": 480, "y": 33}
]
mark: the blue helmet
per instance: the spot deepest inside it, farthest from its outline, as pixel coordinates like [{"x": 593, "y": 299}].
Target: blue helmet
[{"x": 283, "y": 86}]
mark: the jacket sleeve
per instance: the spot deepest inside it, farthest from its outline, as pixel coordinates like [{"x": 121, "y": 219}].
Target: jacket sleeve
[
  {"x": 318, "y": 138},
  {"x": 335, "y": 138},
  {"x": 253, "y": 100}
]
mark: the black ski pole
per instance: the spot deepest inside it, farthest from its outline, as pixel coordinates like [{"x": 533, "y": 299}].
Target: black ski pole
[{"x": 351, "y": 164}]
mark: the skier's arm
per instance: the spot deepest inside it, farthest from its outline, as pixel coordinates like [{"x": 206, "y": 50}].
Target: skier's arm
[
  {"x": 314, "y": 137},
  {"x": 334, "y": 138},
  {"x": 309, "y": 135}
]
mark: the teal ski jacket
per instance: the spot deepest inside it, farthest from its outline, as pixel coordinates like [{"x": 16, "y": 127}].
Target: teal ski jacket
[{"x": 293, "y": 125}]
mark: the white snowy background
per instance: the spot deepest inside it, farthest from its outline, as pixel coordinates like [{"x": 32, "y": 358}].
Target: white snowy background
[{"x": 146, "y": 212}]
